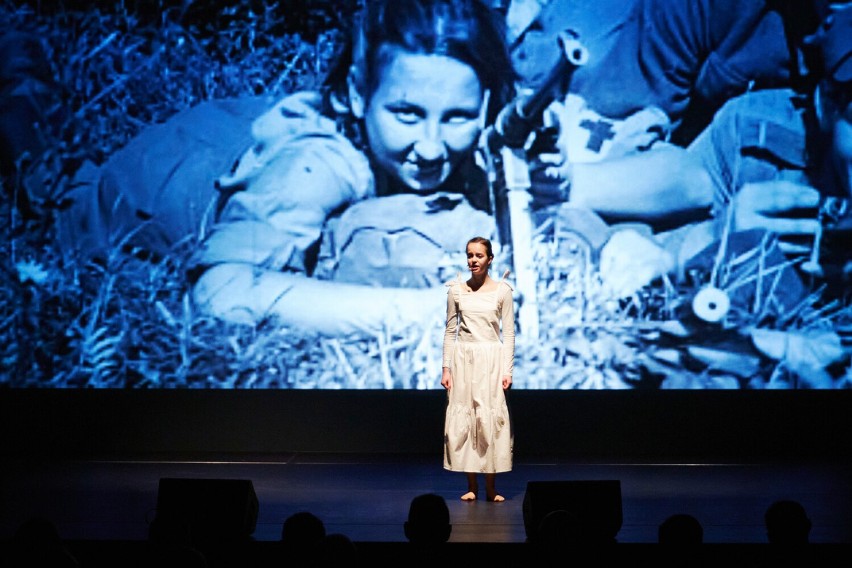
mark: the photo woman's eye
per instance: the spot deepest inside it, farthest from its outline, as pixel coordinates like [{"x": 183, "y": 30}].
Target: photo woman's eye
[
  {"x": 406, "y": 114},
  {"x": 461, "y": 116}
]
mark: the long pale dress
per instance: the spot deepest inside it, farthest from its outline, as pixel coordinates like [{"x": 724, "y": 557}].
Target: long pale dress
[{"x": 477, "y": 430}]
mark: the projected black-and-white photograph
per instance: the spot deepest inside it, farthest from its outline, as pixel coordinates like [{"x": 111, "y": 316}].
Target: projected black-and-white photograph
[{"x": 239, "y": 194}]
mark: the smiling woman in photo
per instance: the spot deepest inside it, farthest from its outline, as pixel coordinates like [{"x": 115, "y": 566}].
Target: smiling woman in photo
[{"x": 367, "y": 184}]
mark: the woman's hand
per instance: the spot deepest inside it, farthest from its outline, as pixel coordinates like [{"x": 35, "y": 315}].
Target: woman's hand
[
  {"x": 776, "y": 206},
  {"x": 447, "y": 378},
  {"x": 630, "y": 260},
  {"x": 507, "y": 382}
]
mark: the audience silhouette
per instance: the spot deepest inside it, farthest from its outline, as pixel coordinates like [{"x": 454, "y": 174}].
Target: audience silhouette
[
  {"x": 302, "y": 530},
  {"x": 788, "y": 530},
  {"x": 302, "y": 535},
  {"x": 787, "y": 523},
  {"x": 428, "y": 520},
  {"x": 559, "y": 536},
  {"x": 36, "y": 543},
  {"x": 170, "y": 543},
  {"x": 680, "y": 529},
  {"x": 680, "y": 537},
  {"x": 335, "y": 549}
]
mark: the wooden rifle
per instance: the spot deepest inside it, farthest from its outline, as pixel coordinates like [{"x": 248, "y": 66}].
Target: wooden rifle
[{"x": 520, "y": 126}]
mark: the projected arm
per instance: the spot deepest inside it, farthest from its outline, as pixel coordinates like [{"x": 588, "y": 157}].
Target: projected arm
[
  {"x": 239, "y": 293},
  {"x": 663, "y": 184}
]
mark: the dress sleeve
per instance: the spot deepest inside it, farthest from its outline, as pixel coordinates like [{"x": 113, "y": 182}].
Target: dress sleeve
[
  {"x": 451, "y": 328},
  {"x": 507, "y": 315}
]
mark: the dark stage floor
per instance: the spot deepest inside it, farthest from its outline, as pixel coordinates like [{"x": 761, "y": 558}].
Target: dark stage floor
[{"x": 366, "y": 497}]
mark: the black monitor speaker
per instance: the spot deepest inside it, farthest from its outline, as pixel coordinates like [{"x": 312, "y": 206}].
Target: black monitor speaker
[
  {"x": 209, "y": 508},
  {"x": 594, "y": 504}
]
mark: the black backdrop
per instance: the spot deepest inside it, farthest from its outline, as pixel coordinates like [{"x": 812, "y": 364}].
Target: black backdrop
[{"x": 692, "y": 426}]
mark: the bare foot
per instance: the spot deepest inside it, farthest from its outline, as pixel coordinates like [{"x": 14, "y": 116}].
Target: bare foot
[
  {"x": 497, "y": 499},
  {"x": 469, "y": 496}
]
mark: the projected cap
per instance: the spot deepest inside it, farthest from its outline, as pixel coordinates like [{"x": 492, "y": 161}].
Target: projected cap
[{"x": 834, "y": 40}]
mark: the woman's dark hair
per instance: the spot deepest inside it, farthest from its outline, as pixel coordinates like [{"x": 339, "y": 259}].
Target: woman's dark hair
[
  {"x": 482, "y": 241},
  {"x": 467, "y": 30}
]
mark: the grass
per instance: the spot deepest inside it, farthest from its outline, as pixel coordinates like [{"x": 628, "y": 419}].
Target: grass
[
  {"x": 128, "y": 322},
  {"x": 110, "y": 72}
]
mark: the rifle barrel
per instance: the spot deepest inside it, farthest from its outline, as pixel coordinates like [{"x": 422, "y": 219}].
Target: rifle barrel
[{"x": 521, "y": 116}]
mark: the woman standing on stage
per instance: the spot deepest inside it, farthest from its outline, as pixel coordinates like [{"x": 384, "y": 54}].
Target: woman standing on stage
[{"x": 477, "y": 372}]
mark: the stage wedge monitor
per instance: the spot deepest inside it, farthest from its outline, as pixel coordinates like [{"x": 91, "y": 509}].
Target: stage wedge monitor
[
  {"x": 210, "y": 508},
  {"x": 594, "y": 505}
]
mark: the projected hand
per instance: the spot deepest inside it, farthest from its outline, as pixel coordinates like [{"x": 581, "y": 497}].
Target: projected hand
[
  {"x": 640, "y": 131},
  {"x": 629, "y": 261},
  {"x": 781, "y": 206},
  {"x": 549, "y": 168}
]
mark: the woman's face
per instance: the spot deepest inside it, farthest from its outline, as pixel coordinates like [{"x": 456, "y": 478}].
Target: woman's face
[
  {"x": 478, "y": 260},
  {"x": 424, "y": 117}
]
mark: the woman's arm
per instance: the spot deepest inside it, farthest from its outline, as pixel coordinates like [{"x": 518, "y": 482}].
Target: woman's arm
[
  {"x": 652, "y": 186},
  {"x": 450, "y": 331},
  {"x": 241, "y": 293},
  {"x": 507, "y": 315}
]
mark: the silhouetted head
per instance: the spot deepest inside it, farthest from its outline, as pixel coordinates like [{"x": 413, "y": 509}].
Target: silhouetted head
[
  {"x": 302, "y": 530},
  {"x": 36, "y": 542},
  {"x": 335, "y": 549},
  {"x": 428, "y": 520},
  {"x": 680, "y": 529},
  {"x": 787, "y": 523}
]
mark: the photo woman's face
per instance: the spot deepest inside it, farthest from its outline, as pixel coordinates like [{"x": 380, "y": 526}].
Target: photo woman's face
[{"x": 423, "y": 118}]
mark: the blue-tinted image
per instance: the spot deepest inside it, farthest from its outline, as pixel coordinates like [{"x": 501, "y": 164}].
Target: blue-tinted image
[{"x": 241, "y": 194}]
